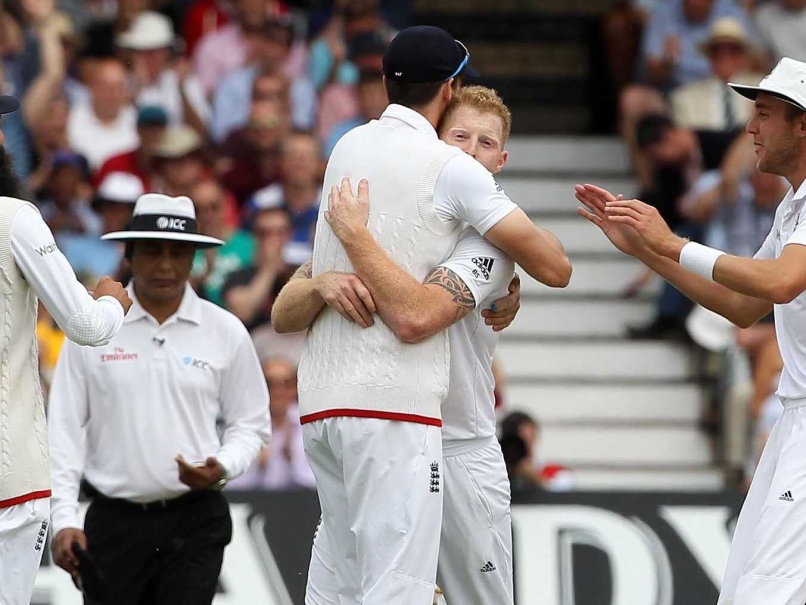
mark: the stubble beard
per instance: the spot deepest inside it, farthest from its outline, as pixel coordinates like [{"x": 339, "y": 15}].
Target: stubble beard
[{"x": 10, "y": 184}]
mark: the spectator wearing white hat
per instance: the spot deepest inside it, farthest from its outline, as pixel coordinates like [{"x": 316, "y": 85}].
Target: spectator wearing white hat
[
  {"x": 710, "y": 104},
  {"x": 159, "y": 82},
  {"x": 114, "y": 202},
  {"x": 107, "y": 124},
  {"x": 179, "y": 161}
]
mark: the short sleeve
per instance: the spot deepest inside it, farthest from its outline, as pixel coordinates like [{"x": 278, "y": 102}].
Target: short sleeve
[
  {"x": 480, "y": 265},
  {"x": 799, "y": 234},
  {"x": 467, "y": 191}
]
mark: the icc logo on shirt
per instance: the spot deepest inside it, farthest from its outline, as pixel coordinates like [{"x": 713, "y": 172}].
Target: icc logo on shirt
[{"x": 196, "y": 363}]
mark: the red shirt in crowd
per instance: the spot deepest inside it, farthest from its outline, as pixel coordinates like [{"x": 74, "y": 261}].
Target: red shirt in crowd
[{"x": 125, "y": 162}]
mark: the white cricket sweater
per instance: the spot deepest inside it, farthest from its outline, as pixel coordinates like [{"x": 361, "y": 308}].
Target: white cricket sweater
[
  {"x": 24, "y": 467},
  {"x": 346, "y": 370}
]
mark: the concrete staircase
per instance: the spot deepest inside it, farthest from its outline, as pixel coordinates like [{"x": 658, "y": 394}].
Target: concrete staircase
[{"x": 623, "y": 414}]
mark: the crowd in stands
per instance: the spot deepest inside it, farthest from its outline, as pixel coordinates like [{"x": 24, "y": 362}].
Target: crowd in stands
[
  {"x": 234, "y": 103},
  {"x": 670, "y": 61}
]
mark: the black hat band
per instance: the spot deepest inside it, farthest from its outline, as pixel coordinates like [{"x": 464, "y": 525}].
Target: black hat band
[{"x": 164, "y": 222}]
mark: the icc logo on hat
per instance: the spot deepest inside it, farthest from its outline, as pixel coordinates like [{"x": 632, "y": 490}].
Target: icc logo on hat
[{"x": 165, "y": 222}]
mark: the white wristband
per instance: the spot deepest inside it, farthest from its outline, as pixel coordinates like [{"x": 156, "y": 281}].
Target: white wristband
[{"x": 700, "y": 259}]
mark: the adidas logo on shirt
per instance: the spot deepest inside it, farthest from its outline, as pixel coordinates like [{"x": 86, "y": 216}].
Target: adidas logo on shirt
[
  {"x": 485, "y": 264},
  {"x": 787, "y": 497},
  {"x": 488, "y": 567}
]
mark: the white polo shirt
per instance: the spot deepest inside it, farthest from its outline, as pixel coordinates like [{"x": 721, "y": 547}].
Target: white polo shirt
[
  {"x": 789, "y": 228},
  {"x": 120, "y": 414},
  {"x": 469, "y": 409}
]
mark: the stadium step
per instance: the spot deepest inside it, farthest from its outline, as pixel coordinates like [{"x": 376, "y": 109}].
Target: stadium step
[
  {"x": 604, "y": 276},
  {"x": 555, "y": 317},
  {"x": 607, "y": 402},
  {"x": 578, "y": 361}
]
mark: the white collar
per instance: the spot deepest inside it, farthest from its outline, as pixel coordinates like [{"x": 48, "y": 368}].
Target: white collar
[
  {"x": 189, "y": 308},
  {"x": 410, "y": 117}
]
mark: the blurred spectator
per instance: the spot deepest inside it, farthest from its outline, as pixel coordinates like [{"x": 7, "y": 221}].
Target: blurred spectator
[
  {"x": 212, "y": 266},
  {"x": 49, "y": 135},
  {"x": 252, "y": 154},
  {"x": 339, "y": 100},
  {"x": 114, "y": 202},
  {"x": 671, "y": 58},
  {"x": 203, "y": 17},
  {"x": 250, "y": 292},
  {"x": 102, "y": 32},
  {"x": 329, "y": 62},
  {"x": 152, "y": 45},
  {"x": 282, "y": 463},
  {"x": 520, "y": 435},
  {"x": 300, "y": 187},
  {"x": 710, "y": 104},
  {"x": 179, "y": 160},
  {"x": 236, "y": 91},
  {"x": 676, "y": 158},
  {"x": 16, "y": 143},
  {"x": 107, "y": 124},
  {"x": 236, "y": 44},
  {"x": 622, "y": 29},
  {"x": 781, "y": 25},
  {"x": 151, "y": 126},
  {"x": 372, "y": 101},
  {"x": 66, "y": 208},
  {"x": 50, "y": 340}
]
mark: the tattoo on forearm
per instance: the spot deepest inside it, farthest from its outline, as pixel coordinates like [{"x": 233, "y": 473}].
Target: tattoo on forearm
[
  {"x": 462, "y": 296},
  {"x": 304, "y": 272}
]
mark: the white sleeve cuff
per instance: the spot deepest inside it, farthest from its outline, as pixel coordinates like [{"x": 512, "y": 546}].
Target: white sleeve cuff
[{"x": 63, "y": 517}]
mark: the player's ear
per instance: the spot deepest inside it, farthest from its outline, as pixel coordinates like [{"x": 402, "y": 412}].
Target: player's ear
[{"x": 502, "y": 161}]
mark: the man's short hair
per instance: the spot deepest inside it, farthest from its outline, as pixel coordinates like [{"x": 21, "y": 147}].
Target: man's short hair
[
  {"x": 413, "y": 95},
  {"x": 651, "y": 129},
  {"x": 793, "y": 113},
  {"x": 482, "y": 99}
]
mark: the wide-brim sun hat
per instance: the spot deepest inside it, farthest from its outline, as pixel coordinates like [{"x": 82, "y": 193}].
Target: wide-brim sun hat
[
  {"x": 787, "y": 81},
  {"x": 726, "y": 30},
  {"x": 148, "y": 31},
  {"x": 162, "y": 217}
]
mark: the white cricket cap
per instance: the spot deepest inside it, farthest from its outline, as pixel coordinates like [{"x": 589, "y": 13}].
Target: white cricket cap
[{"x": 787, "y": 81}]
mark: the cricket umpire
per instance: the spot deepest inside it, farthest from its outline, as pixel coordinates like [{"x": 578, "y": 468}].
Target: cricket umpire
[
  {"x": 31, "y": 267},
  {"x": 138, "y": 419}
]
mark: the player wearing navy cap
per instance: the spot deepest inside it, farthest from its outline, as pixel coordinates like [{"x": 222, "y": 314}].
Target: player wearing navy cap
[{"x": 371, "y": 405}]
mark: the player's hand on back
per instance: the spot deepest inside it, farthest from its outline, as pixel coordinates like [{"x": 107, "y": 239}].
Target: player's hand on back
[
  {"x": 504, "y": 310},
  {"x": 62, "y": 549},
  {"x": 346, "y": 213},
  {"x": 348, "y": 295},
  {"x": 109, "y": 287}
]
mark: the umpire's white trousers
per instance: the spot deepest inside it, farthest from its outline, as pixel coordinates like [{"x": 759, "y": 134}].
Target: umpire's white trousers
[
  {"x": 475, "y": 555},
  {"x": 23, "y": 532},
  {"x": 380, "y": 490},
  {"x": 767, "y": 561}
]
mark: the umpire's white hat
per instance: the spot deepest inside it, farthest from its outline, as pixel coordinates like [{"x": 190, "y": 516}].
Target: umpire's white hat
[
  {"x": 787, "y": 81},
  {"x": 158, "y": 216}
]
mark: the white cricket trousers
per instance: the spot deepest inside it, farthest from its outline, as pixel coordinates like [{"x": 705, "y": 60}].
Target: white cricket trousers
[
  {"x": 23, "y": 532},
  {"x": 380, "y": 490},
  {"x": 475, "y": 555},
  {"x": 767, "y": 561}
]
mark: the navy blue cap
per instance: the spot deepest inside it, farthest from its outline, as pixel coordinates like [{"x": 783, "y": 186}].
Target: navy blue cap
[
  {"x": 152, "y": 115},
  {"x": 68, "y": 157},
  {"x": 8, "y": 104},
  {"x": 423, "y": 54}
]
